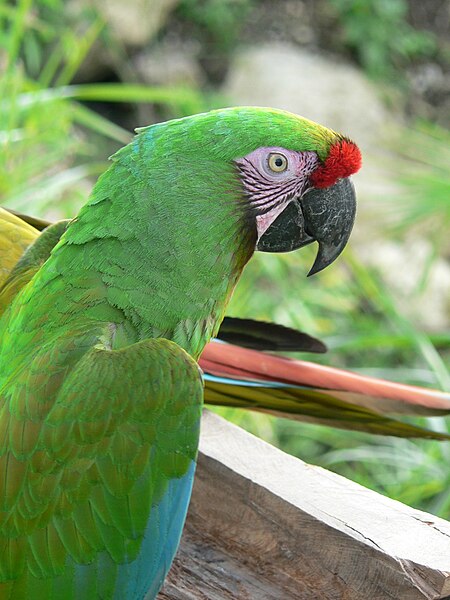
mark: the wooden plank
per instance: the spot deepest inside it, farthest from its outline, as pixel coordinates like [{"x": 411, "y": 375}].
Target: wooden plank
[{"x": 263, "y": 525}]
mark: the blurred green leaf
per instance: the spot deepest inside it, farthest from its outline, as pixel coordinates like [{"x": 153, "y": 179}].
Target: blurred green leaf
[{"x": 379, "y": 34}]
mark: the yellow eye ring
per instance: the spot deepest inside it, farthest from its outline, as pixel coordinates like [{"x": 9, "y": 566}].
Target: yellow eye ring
[{"x": 277, "y": 162}]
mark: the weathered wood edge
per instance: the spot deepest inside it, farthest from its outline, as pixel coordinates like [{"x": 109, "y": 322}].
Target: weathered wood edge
[{"x": 264, "y": 525}]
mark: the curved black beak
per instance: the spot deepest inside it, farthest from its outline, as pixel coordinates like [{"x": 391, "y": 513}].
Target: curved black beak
[{"x": 325, "y": 216}]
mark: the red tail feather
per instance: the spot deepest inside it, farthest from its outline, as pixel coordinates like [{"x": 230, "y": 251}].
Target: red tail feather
[{"x": 228, "y": 360}]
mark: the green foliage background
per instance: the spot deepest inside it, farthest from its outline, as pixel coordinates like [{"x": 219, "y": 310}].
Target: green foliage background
[
  {"x": 54, "y": 143},
  {"x": 380, "y": 35}
]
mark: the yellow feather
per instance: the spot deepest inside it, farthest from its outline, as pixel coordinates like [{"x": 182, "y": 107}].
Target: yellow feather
[{"x": 15, "y": 237}]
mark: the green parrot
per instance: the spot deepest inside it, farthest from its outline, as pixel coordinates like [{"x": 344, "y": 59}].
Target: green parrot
[{"x": 101, "y": 393}]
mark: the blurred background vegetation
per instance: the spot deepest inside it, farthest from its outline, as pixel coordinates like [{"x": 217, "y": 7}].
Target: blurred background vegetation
[{"x": 75, "y": 79}]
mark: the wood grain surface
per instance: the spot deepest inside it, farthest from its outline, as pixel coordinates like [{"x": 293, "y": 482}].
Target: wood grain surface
[{"x": 263, "y": 525}]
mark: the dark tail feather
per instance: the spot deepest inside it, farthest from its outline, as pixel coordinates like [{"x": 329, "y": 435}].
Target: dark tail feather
[{"x": 259, "y": 335}]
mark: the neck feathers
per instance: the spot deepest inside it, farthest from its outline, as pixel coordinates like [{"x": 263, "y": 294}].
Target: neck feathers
[{"x": 165, "y": 258}]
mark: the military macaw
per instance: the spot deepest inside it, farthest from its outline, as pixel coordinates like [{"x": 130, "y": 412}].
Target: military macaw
[{"x": 104, "y": 319}]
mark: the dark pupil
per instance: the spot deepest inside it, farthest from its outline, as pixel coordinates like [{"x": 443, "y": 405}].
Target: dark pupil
[{"x": 279, "y": 162}]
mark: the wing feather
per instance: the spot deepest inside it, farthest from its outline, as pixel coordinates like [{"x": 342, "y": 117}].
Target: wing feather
[{"x": 85, "y": 471}]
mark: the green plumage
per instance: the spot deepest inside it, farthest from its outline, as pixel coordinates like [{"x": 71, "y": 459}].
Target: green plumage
[{"x": 100, "y": 392}]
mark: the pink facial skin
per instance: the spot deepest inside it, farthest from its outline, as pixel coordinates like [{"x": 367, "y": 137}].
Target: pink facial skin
[{"x": 269, "y": 191}]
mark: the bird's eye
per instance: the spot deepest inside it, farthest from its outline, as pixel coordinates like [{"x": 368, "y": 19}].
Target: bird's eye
[{"x": 277, "y": 162}]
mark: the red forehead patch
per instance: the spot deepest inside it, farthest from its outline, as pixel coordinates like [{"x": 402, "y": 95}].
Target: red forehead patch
[{"x": 343, "y": 160}]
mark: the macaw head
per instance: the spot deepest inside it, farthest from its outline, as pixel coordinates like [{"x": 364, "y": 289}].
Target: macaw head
[
  {"x": 300, "y": 196},
  {"x": 283, "y": 177},
  {"x": 292, "y": 175}
]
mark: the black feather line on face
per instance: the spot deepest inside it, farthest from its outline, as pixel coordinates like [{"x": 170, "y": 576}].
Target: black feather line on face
[{"x": 264, "y": 193}]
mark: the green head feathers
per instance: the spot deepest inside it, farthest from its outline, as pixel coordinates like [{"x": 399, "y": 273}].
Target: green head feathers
[{"x": 231, "y": 133}]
